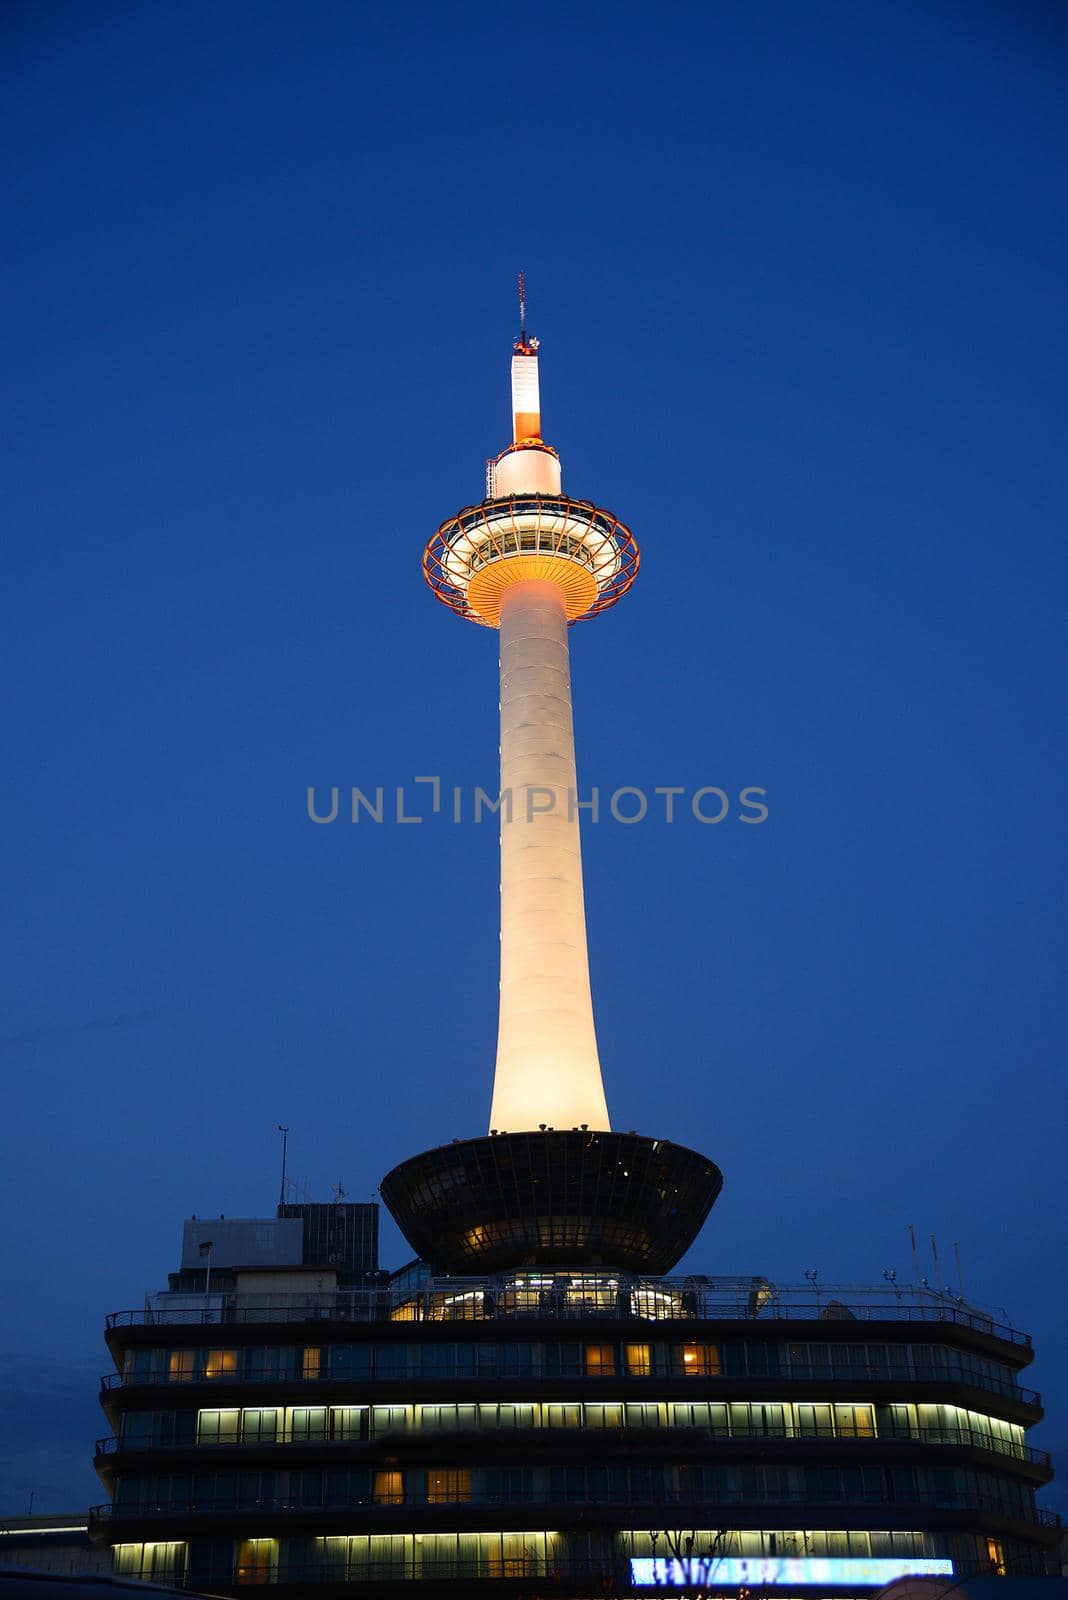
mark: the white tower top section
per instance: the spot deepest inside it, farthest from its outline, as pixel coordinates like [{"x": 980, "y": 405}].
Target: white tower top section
[
  {"x": 529, "y": 465},
  {"x": 526, "y": 394}
]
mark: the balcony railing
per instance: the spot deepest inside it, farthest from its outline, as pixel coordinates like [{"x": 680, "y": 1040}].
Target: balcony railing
[
  {"x": 111, "y": 1445},
  {"x": 795, "y": 1373},
  {"x": 571, "y": 1298},
  {"x": 695, "y": 1509},
  {"x": 600, "y": 1576}
]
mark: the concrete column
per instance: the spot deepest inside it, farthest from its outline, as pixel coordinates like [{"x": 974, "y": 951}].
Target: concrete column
[{"x": 547, "y": 1064}]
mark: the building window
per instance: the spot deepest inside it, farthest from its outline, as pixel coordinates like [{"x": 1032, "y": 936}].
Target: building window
[
  {"x": 257, "y": 1560},
  {"x": 221, "y": 1364},
  {"x": 150, "y": 1560},
  {"x": 348, "y": 1422},
  {"x": 448, "y": 1485},
  {"x": 813, "y": 1421},
  {"x": 217, "y": 1427},
  {"x": 604, "y": 1416},
  {"x": 854, "y": 1422},
  {"x": 512, "y": 1416},
  {"x": 259, "y": 1426},
  {"x": 637, "y": 1360},
  {"x": 996, "y": 1556},
  {"x": 180, "y": 1366},
  {"x": 311, "y": 1362},
  {"x": 388, "y": 1488},
  {"x": 307, "y": 1423},
  {"x": 389, "y": 1419},
  {"x": 700, "y": 1360},
  {"x": 600, "y": 1360}
]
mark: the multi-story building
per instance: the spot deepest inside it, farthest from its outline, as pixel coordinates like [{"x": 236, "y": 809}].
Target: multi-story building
[
  {"x": 535, "y": 1427},
  {"x": 534, "y": 1404}
]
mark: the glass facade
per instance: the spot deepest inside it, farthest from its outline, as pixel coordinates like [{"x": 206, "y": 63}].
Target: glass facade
[
  {"x": 690, "y": 1485},
  {"x": 602, "y": 1415},
  {"x": 730, "y": 1358},
  {"x": 734, "y": 1419},
  {"x": 565, "y": 1557}
]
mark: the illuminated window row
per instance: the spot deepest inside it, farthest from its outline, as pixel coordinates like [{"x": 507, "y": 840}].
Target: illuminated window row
[
  {"x": 617, "y": 1484},
  {"x": 933, "y": 1424},
  {"x": 572, "y": 1358},
  {"x": 541, "y": 1554}
]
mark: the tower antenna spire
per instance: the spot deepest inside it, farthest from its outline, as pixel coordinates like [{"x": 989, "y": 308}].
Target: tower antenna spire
[{"x": 522, "y": 310}]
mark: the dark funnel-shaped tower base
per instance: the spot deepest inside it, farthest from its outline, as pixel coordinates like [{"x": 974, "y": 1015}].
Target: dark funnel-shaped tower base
[{"x": 605, "y": 1200}]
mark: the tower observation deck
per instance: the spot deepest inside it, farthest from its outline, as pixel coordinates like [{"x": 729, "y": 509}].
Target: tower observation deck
[{"x": 552, "y": 1182}]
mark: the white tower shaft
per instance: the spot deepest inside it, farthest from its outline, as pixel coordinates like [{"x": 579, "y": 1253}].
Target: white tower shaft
[{"x": 548, "y": 1070}]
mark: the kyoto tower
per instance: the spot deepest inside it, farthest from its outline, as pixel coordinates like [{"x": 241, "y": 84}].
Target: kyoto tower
[{"x": 551, "y": 1182}]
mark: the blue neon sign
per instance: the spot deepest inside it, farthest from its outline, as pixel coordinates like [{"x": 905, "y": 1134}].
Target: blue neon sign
[{"x": 668, "y": 1573}]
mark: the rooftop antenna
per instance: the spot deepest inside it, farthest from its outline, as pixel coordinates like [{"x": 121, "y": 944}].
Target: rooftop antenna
[
  {"x": 937, "y": 1263},
  {"x": 522, "y": 310},
  {"x": 284, "y": 1131}
]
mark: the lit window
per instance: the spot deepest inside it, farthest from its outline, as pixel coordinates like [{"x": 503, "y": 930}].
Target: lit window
[
  {"x": 258, "y": 1426},
  {"x": 256, "y": 1560},
  {"x": 348, "y": 1422},
  {"x": 700, "y": 1360},
  {"x": 996, "y": 1556},
  {"x": 638, "y": 1360},
  {"x": 600, "y": 1360},
  {"x": 150, "y": 1560},
  {"x": 311, "y": 1363},
  {"x": 388, "y": 1488},
  {"x": 306, "y": 1423},
  {"x": 180, "y": 1366},
  {"x": 854, "y": 1421},
  {"x": 221, "y": 1364},
  {"x": 598, "y": 1416},
  {"x": 447, "y": 1484},
  {"x": 217, "y": 1427}
]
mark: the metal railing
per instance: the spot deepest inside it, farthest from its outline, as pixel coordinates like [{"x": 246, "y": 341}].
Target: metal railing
[
  {"x": 923, "y": 1436},
  {"x": 576, "y": 1298},
  {"x": 795, "y": 1373},
  {"x": 605, "y": 1576},
  {"x": 698, "y": 1507}
]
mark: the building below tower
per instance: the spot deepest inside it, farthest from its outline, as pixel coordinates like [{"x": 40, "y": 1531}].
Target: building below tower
[{"x": 576, "y": 1432}]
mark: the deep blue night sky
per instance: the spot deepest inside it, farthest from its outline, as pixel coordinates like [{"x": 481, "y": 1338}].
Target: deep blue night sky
[{"x": 798, "y": 275}]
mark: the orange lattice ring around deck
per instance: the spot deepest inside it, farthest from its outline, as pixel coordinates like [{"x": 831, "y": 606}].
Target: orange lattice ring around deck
[{"x": 474, "y": 556}]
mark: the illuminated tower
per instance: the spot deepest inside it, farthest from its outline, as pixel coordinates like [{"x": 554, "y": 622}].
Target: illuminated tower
[
  {"x": 529, "y": 561},
  {"x": 534, "y": 1408}
]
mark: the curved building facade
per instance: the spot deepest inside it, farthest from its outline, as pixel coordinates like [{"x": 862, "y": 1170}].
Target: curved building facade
[{"x": 556, "y": 1430}]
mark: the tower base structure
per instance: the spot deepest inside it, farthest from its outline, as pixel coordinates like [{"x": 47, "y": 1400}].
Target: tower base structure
[{"x": 589, "y": 1199}]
